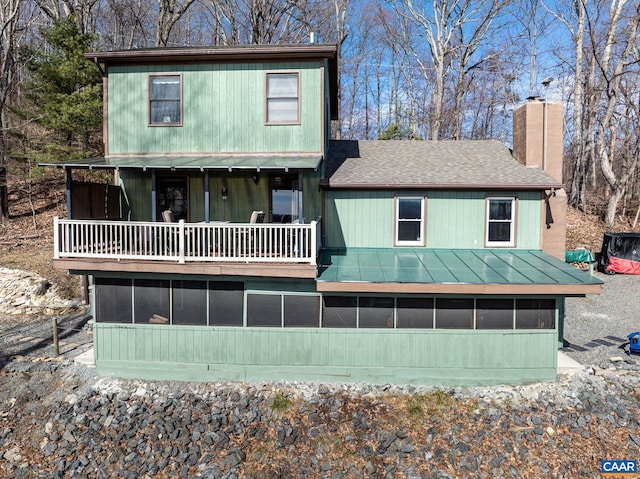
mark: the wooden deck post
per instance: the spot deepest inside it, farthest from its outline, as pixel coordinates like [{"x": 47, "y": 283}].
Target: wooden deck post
[{"x": 56, "y": 344}]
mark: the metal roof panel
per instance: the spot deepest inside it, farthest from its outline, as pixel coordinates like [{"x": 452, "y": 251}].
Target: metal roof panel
[
  {"x": 485, "y": 267},
  {"x": 302, "y": 161}
]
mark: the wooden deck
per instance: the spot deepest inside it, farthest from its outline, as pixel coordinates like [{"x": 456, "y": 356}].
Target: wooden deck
[
  {"x": 278, "y": 250},
  {"x": 231, "y": 268}
]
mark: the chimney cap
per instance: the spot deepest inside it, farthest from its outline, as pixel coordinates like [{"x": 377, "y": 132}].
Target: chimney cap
[{"x": 534, "y": 98}]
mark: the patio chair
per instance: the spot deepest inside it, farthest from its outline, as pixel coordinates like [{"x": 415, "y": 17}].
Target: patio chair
[
  {"x": 245, "y": 236},
  {"x": 167, "y": 216},
  {"x": 171, "y": 239},
  {"x": 257, "y": 217}
]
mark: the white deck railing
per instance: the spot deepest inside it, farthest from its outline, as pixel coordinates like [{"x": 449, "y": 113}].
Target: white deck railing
[{"x": 183, "y": 242}]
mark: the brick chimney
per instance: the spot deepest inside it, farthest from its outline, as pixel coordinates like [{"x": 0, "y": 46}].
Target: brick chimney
[
  {"x": 537, "y": 136},
  {"x": 538, "y": 142}
]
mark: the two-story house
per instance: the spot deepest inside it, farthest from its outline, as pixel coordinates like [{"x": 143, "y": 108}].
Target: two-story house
[{"x": 238, "y": 242}]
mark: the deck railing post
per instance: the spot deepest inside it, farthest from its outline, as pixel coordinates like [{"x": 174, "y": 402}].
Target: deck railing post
[
  {"x": 181, "y": 242},
  {"x": 314, "y": 233},
  {"x": 184, "y": 242},
  {"x": 56, "y": 238}
]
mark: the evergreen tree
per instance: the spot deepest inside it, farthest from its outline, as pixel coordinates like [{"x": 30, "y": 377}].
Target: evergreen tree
[
  {"x": 394, "y": 132},
  {"x": 65, "y": 96}
]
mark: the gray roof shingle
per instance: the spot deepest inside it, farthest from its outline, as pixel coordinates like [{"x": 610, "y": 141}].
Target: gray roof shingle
[{"x": 484, "y": 164}]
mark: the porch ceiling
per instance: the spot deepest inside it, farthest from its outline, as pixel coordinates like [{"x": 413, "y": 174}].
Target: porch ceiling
[
  {"x": 227, "y": 162},
  {"x": 451, "y": 271}
]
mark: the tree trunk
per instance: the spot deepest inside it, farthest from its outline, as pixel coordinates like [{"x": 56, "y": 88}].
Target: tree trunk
[
  {"x": 169, "y": 12},
  {"x": 4, "y": 191},
  {"x": 9, "y": 17},
  {"x": 606, "y": 146},
  {"x": 612, "y": 205}
]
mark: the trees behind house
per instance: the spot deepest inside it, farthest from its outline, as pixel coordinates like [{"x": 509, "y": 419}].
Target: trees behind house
[
  {"x": 10, "y": 33},
  {"x": 410, "y": 69},
  {"x": 604, "y": 145},
  {"x": 63, "y": 97}
]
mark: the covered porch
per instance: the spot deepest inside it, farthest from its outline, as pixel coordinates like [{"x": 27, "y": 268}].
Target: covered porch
[
  {"x": 197, "y": 188},
  {"x": 171, "y": 212}
]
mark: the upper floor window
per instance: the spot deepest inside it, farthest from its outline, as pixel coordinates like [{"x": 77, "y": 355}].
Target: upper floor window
[
  {"x": 165, "y": 100},
  {"x": 283, "y": 95},
  {"x": 409, "y": 221},
  {"x": 500, "y": 222}
]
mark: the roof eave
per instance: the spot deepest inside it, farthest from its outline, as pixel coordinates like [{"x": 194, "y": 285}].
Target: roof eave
[
  {"x": 460, "y": 288},
  {"x": 104, "y": 163},
  {"x": 214, "y": 53},
  {"x": 442, "y": 186}
]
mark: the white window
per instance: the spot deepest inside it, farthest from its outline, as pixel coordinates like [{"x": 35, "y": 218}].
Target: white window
[
  {"x": 409, "y": 221},
  {"x": 165, "y": 100},
  {"x": 500, "y": 222},
  {"x": 283, "y": 98}
]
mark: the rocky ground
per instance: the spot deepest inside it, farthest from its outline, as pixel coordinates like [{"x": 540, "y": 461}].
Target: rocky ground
[
  {"x": 111, "y": 428},
  {"x": 59, "y": 419}
]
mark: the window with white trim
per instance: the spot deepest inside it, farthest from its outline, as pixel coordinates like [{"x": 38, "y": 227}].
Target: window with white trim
[
  {"x": 165, "y": 100},
  {"x": 283, "y": 95},
  {"x": 409, "y": 221},
  {"x": 500, "y": 221}
]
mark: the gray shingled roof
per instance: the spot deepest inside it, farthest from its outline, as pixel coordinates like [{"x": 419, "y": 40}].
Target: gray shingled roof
[{"x": 431, "y": 164}]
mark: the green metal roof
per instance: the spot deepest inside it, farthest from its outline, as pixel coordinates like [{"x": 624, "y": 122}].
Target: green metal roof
[
  {"x": 203, "y": 162},
  {"x": 454, "y": 271}
]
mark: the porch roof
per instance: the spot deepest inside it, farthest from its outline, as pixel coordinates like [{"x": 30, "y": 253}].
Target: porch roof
[
  {"x": 227, "y": 162},
  {"x": 451, "y": 271}
]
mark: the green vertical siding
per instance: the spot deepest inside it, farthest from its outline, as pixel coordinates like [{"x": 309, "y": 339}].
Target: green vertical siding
[
  {"x": 457, "y": 219},
  {"x": 196, "y": 197},
  {"x": 421, "y": 357},
  {"x": 136, "y": 189},
  {"x": 359, "y": 219},
  {"x": 223, "y": 110},
  {"x": 244, "y": 197},
  {"x": 311, "y": 203},
  {"x": 453, "y": 219}
]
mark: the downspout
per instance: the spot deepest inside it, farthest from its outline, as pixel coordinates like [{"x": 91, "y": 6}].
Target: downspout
[
  {"x": 97, "y": 62},
  {"x": 544, "y": 136}
]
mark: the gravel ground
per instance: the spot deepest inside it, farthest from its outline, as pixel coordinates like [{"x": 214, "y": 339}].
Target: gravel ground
[
  {"x": 597, "y": 326},
  {"x": 32, "y": 338}
]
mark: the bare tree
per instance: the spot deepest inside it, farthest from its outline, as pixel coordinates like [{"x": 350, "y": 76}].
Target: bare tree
[
  {"x": 81, "y": 9},
  {"x": 470, "y": 39},
  {"x": 9, "y": 22},
  {"x": 221, "y": 17},
  {"x": 573, "y": 16},
  {"x": 125, "y": 25},
  {"x": 169, "y": 12},
  {"x": 454, "y": 32},
  {"x": 612, "y": 71},
  {"x": 240, "y": 22},
  {"x": 533, "y": 21}
]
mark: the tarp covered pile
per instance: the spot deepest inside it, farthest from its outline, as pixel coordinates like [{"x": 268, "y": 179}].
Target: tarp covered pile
[{"x": 620, "y": 253}]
